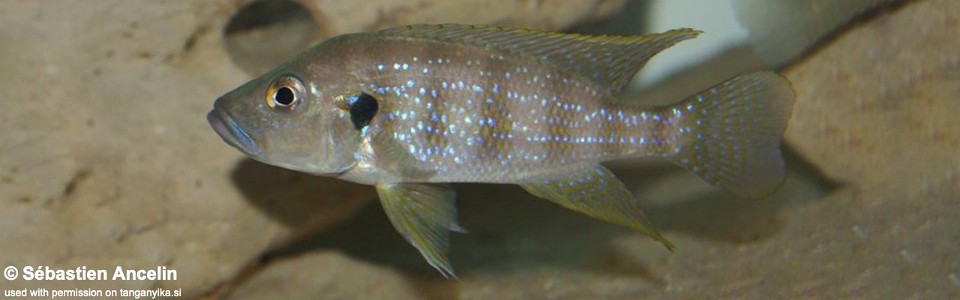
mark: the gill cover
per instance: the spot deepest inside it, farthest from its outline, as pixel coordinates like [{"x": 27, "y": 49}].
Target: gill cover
[{"x": 293, "y": 118}]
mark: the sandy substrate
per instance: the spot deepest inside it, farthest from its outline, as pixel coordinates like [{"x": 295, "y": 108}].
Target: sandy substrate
[{"x": 106, "y": 160}]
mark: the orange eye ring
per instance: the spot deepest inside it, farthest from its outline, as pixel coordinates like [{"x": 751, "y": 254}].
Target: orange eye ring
[{"x": 285, "y": 93}]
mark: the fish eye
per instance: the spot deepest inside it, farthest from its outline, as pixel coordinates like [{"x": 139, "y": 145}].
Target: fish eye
[
  {"x": 285, "y": 93},
  {"x": 362, "y": 107},
  {"x": 283, "y": 96}
]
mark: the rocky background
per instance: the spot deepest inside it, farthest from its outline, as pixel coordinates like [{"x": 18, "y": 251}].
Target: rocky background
[{"x": 106, "y": 160}]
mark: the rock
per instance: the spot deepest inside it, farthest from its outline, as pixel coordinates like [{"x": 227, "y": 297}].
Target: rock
[
  {"x": 106, "y": 160},
  {"x": 880, "y": 95},
  {"x": 325, "y": 275}
]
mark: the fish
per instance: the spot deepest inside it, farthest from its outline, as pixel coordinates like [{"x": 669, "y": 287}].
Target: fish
[
  {"x": 412, "y": 109},
  {"x": 782, "y": 31}
]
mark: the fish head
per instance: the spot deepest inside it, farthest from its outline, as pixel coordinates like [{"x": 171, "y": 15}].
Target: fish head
[{"x": 289, "y": 118}]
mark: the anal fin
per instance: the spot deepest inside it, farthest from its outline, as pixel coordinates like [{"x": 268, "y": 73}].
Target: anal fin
[
  {"x": 423, "y": 214},
  {"x": 598, "y": 193}
]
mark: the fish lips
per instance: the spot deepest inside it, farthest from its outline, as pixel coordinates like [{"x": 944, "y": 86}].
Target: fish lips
[{"x": 232, "y": 133}]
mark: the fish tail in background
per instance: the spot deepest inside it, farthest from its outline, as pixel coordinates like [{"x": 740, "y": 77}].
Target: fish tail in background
[
  {"x": 731, "y": 133},
  {"x": 782, "y": 30}
]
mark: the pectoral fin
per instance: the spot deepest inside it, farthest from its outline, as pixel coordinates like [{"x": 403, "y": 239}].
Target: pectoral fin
[
  {"x": 598, "y": 193},
  {"x": 396, "y": 159},
  {"x": 423, "y": 213}
]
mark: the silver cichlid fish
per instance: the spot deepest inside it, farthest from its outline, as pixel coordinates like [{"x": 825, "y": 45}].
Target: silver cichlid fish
[{"x": 410, "y": 109}]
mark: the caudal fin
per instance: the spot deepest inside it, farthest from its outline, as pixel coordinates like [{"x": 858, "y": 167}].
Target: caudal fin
[{"x": 731, "y": 133}]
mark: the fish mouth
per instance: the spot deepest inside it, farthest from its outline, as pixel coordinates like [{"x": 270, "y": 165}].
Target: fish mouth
[{"x": 232, "y": 133}]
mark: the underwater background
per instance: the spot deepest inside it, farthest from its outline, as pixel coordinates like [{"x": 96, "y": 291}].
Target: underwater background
[{"x": 106, "y": 158}]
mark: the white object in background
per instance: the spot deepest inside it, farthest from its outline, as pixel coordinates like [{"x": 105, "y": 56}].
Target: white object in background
[{"x": 716, "y": 18}]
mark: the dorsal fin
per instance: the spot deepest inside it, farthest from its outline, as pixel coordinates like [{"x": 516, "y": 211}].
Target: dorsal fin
[{"x": 609, "y": 61}]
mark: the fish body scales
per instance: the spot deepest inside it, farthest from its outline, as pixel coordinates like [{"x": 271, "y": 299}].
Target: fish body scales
[{"x": 472, "y": 114}]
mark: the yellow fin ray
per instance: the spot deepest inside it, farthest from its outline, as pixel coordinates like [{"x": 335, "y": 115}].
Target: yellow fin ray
[
  {"x": 598, "y": 193},
  {"x": 423, "y": 214}
]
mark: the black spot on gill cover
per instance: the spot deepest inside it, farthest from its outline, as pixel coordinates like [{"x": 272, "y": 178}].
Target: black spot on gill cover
[{"x": 362, "y": 110}]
